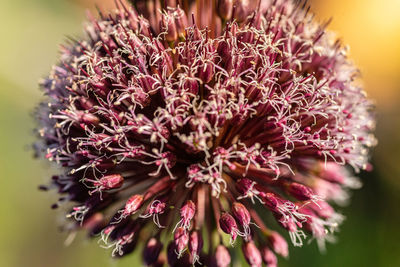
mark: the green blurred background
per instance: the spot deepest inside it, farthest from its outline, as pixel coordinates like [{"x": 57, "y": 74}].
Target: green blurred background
[{"x": 30, "y": 32}]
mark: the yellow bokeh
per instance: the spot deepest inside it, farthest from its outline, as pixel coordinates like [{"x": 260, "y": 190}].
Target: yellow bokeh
[{"x": 372, "y": 29}]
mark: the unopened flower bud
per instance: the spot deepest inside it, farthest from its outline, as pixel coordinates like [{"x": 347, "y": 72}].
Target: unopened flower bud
[
  {"x": 332, "y": 173},
  {"x": 132, "y": 205},
  {"x": 228, "y": 225},
  {"x": 181, "y": 239},
  {"x": 252, "y": 254},
  {"x": 111, "y": 181},
  {"x": 195, "y": 245},
  {"x": 241, "y": 213},
  {"x": 278, "y": 244},
  {"x": 301, "y": 192},
  {"x": 269, "y": 257},
  {"x": 271, "y": 201},
  {"x": 323, "y": 209},
  {"x": 187, "y": 213},
  {"x": 222, "y": 256}
]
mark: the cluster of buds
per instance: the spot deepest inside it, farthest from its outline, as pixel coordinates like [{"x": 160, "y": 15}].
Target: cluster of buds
[{"x": 192, "y": 123}]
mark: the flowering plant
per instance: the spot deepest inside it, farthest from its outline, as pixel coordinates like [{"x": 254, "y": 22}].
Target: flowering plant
[{"x": 191, "y": 122}]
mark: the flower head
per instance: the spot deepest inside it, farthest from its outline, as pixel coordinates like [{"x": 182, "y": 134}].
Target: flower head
[{"x": 176, "y": 121}]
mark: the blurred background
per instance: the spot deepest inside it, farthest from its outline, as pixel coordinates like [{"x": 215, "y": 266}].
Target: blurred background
[{"x": 30, "y": 32}]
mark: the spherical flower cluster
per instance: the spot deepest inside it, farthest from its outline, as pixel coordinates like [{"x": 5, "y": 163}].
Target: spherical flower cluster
[{"x": 203, "y": 125}]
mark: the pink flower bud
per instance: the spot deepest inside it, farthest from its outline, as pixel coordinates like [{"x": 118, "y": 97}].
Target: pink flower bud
[
  {"x": 278, "y": 244},
  {"x": 228, "y": 225},
  {"x": 301, "y": 192},
  {"x": 332, "y": 173},
  {"x": 241, "y": 214},
  {"x": 151, "y": 251},
  {"x": 187, "y": 213},
  {"x": 132, "y": 205},
  {"x": 222, "y": 256},
  {"x": 271, "y": 201},
  {"x": 322, "y": 209},
  {"x": 111, "y": 181},
  {"x": 252, "y": 254},
  {"x": 269, "y": 257},
  {"x": 181, "y": 239},
  {"x": 195, "y": 245}
]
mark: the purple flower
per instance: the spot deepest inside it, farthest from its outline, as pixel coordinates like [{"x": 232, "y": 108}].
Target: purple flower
[{"x": 191, "y": 123}]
